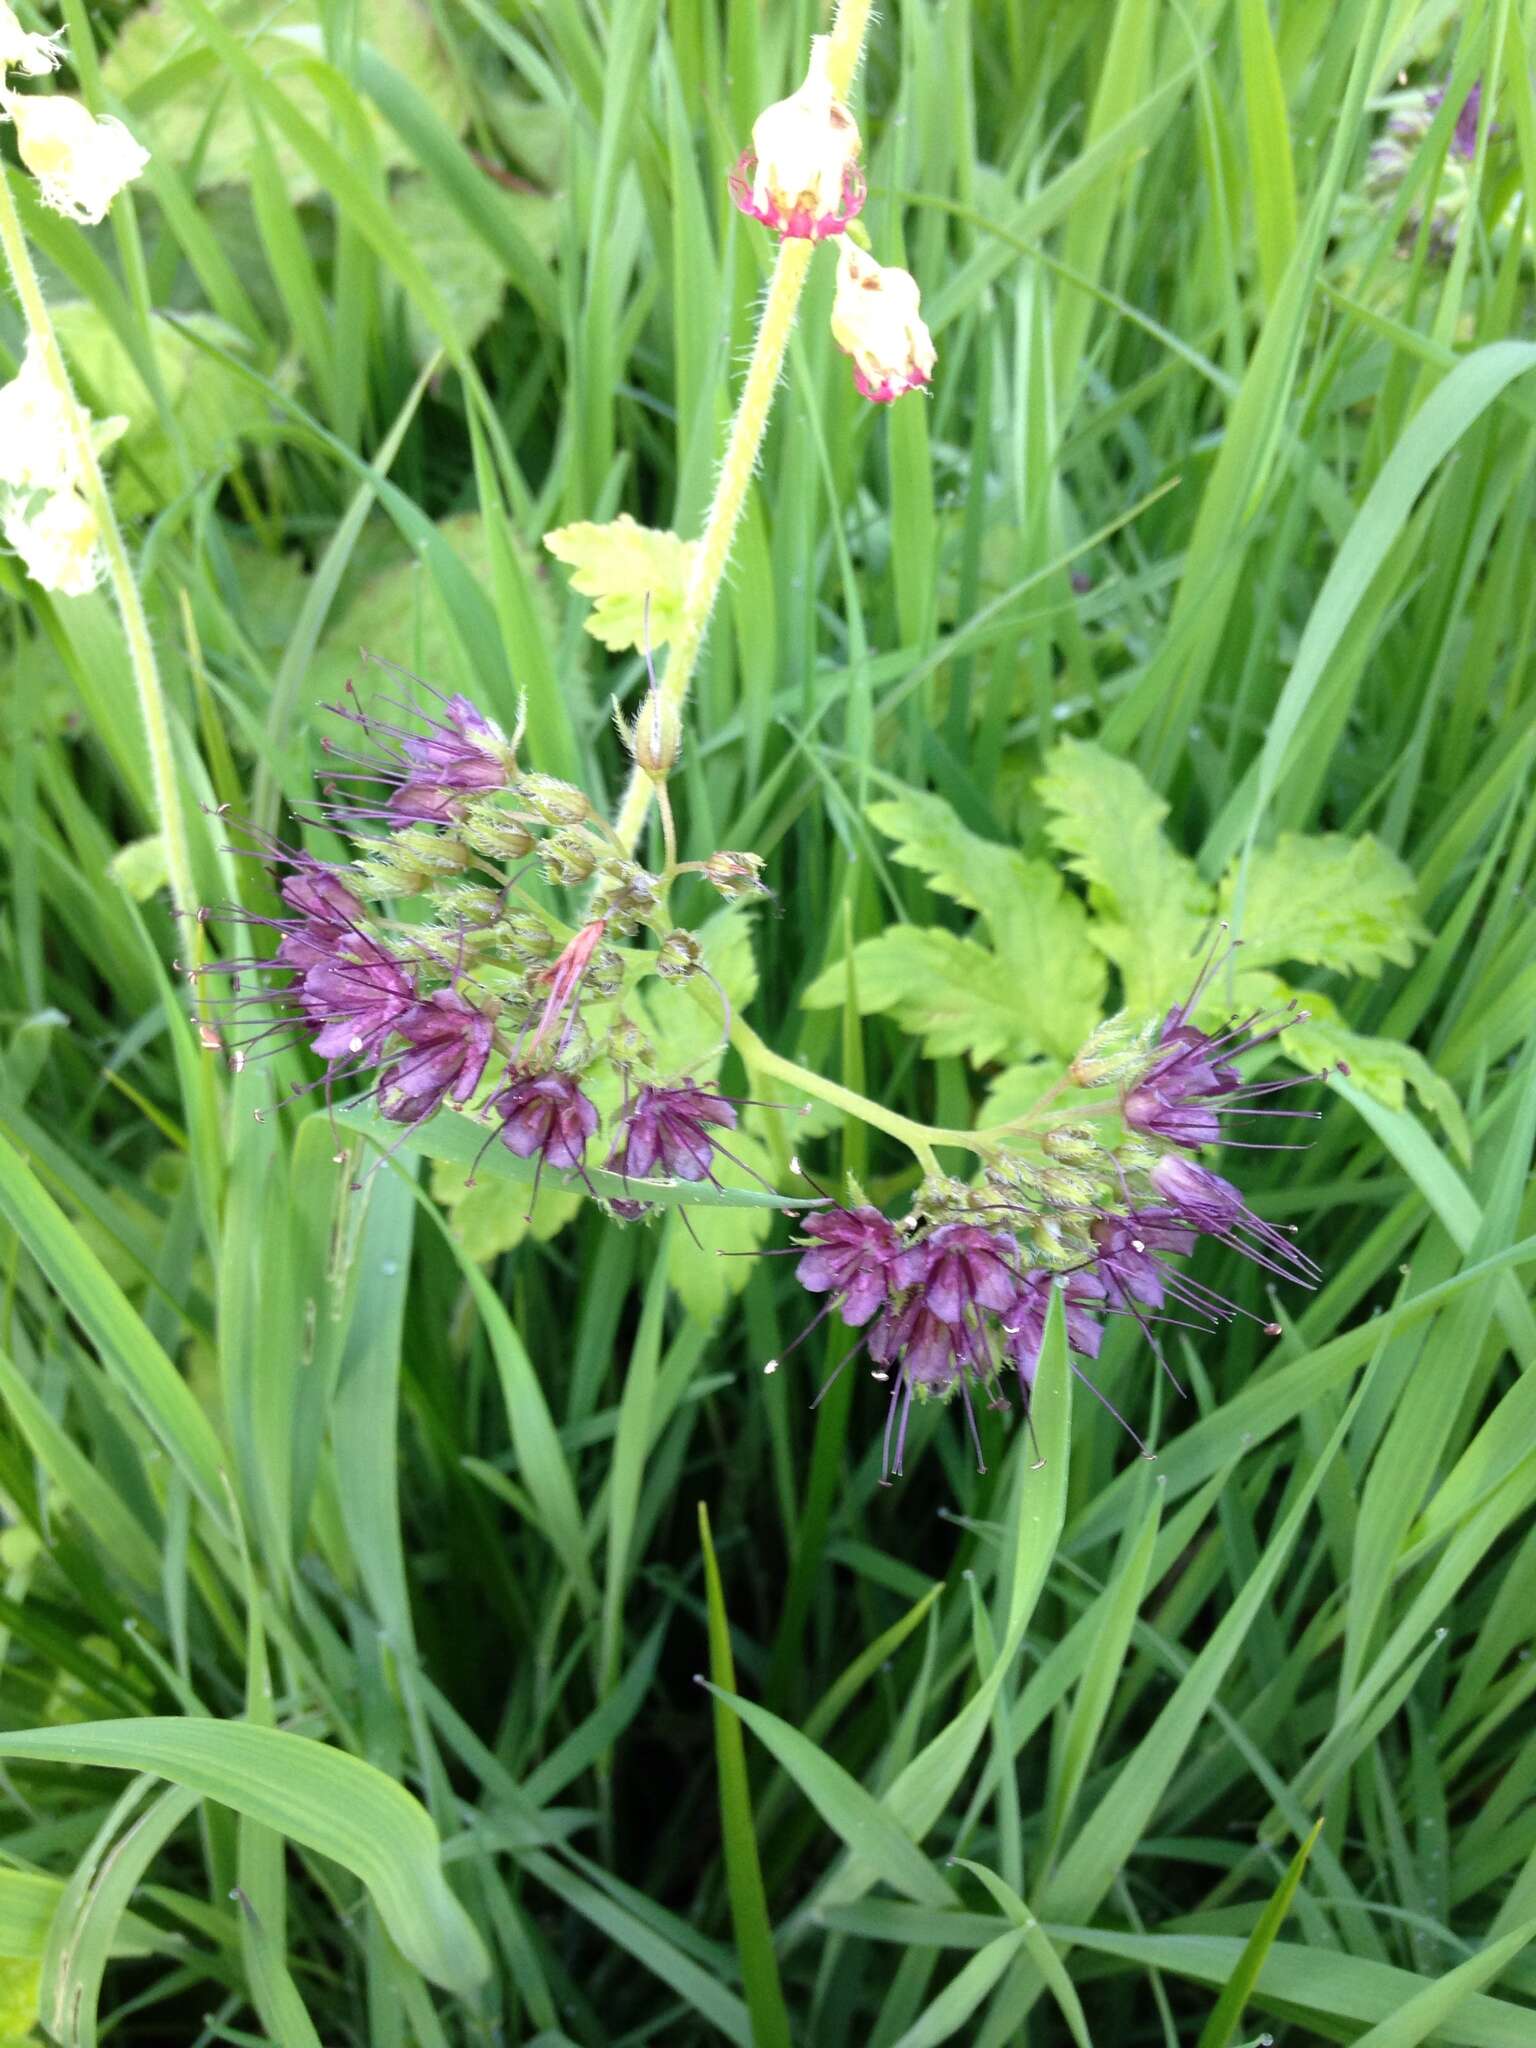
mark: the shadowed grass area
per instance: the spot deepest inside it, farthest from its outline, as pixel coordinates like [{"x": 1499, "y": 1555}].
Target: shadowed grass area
[{"x": 421, "y": 1619}]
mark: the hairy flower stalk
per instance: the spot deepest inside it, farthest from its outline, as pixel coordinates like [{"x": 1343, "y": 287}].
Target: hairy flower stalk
[{"x": 791, "y": 266}]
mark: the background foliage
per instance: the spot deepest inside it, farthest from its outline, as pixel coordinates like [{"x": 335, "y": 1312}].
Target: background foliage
[{"x": 357, "y": 1580}]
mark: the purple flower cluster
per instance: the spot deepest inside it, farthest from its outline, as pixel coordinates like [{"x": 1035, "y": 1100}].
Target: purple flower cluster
[
  {"x": 421, "y": 777},
  {"x": 947, "y": 1303},
  {"x": 479, "y": 1002}
]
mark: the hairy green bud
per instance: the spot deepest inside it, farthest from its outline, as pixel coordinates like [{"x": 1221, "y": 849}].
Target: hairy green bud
[
  {"x": 556, "y": 802},
  {"x": 626, "y": 893},
  {"x": 680, "y": 956},
  {"x": 409, "y": 862},
  {"x": 568, "y": 859},
  {"x": 736, "y": 874},
  {"x": 1114, "y": 1054},
  {"x": 494, "y": 833},
  {"x": 1072, "y": 1144}
]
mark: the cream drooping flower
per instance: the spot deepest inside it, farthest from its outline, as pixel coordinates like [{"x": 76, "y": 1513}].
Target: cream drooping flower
[
  {"x": 80, "y": 163},
  {"x": 37, "y": 444},
  {"x": 802, "y": 174},
  {"x": 876, "y": 319},
  {"x": 21, "y": 51},
  {"x": 58, "y": 540}
]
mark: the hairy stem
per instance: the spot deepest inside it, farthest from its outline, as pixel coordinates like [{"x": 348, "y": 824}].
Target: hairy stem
[
  {"x": 93, "y": 488},
  {"x": 745, "y": 440}
]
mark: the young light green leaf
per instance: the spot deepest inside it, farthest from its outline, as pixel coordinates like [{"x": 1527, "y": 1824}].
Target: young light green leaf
[
  {"x": 959, "y": 996},
  {"x": 1150, "y": 904},
  {"x": 1329, "y": 902},
  {"x": 621, "y": 567},
  {"x": 1038, "y": 929}
]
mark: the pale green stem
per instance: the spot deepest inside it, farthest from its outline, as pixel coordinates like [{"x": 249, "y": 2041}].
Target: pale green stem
[
  {"x": 746, "y": 437},
  {"x": 93, "y": 487},
  {"x": 920, "y": 1139}
]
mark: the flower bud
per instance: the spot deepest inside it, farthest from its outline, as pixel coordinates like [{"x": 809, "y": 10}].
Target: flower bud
[
  {"x": 655, "y": 740},
  {"x": 1060, "y": 1242},
  {"x": 529, "y": 939},
  {"x": 628, "y": 1045},
  {"x": 626, "y": 893},
  {"x": 737, "y": 874},
  {"x": 801, "y": 174},
  {"x": 605, "y": 976},
  {"x": 471, "y": 909},
  {"x": 876, "y": 320},
  {"x": 1115, "y": 1053},
  {"x": 1068, "y": 1187},
  {"x": 1071, "y": 1144},
  {"x": 567, "y": 859},
  {"x": 80, "y": 163},
  {"x": 554, "y": 801},
  {"x": 680, "y": 956},
  {"x": 409, "y": 862},
  {"x": 492, "y": 832},
  {"x": 19, "y": 51}
]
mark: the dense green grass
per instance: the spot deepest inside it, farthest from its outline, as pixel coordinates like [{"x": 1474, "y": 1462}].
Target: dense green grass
[{"x": 314, "y": 1496}]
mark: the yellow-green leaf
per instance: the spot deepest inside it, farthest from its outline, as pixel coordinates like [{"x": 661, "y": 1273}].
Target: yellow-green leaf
[{"x": 619, "y": 566}]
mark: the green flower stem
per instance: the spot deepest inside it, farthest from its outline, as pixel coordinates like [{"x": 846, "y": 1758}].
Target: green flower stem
[
  {"x": 920, "y": 1139},
  {"x": 141, "y": 654},
  {"x": 790, "y": 270}
]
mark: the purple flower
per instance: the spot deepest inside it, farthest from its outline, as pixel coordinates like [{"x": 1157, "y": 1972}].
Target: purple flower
[
  {"x": 670, "y": 1129},
  {"x": 1126, "y": 1266},
  {"x": 1024, "y": 1324},
  {"x": 961, "y": 1267},
  {"x": 545, "y": 1116},
  {"x": 1193, "y": 1082},
  {"x": 1214, "y": 1206},
  {"x": 353, "y": 997},
  {"x": 429, "y": 774},
  {"x": 852, "y": 1260},
  {"x": 450, "y": 1042},
  {"x": 933, "y": 1359},
  {"x": 1464, "y": 134}
]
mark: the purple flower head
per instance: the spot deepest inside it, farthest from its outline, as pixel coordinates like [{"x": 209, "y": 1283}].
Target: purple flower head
[
  {"x": 449, "y": 1043},
  {"x": 461, "y": 754},
  {"x": 1215, "y": 1207},
  {"x": 1024, "y": 1324},
  {"x": 932, "y": 1359},
  {"x": 317, "y": 893},
  {"x": 669, "y": 1130},
  {"x": 1464, "y": 134},
  {"x": 1127, "y": 1267},
  {"x": 353, "y": 997},
  {"x": 1193, "y": 1082},
  {"x": 545, "y": 1116},
  {"x": 960, "y": 1267},
  {"x": 852, "y": 1258}
]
